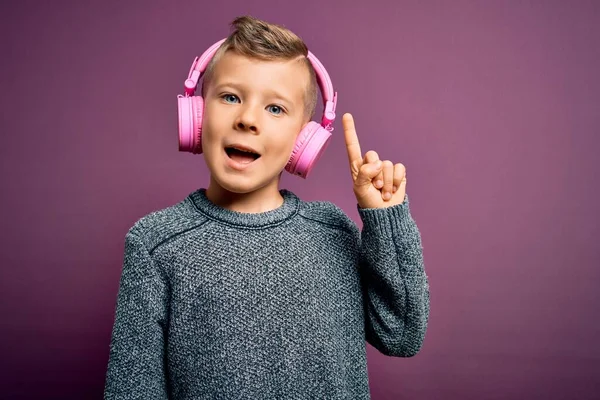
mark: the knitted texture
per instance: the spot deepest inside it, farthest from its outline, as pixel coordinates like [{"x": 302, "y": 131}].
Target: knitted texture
[{"x": 217, "y": 304}]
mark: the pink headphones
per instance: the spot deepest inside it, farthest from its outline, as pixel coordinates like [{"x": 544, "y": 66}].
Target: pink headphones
[{"x": 312, "y": 140}]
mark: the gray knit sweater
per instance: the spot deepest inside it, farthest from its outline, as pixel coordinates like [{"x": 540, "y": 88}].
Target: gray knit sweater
[{"x": 216, "y": 304}]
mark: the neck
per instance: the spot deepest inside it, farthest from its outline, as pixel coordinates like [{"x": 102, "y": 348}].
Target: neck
[{"x": 258, "y": 201}]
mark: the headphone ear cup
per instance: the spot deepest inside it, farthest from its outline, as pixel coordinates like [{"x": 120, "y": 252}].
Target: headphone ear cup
[
  {"x": 191, "y": 110},
  {"x": 310, "y": 145}
]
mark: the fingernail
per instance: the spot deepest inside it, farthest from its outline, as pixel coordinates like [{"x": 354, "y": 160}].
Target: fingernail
[
  {"x": 387, "y": 195},
  {"x": 379, "y": 183},
  {"x": 394, "y": 189}
]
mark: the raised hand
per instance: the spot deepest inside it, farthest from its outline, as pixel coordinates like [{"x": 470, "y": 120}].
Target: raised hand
[{"x": 377, "y": 183}]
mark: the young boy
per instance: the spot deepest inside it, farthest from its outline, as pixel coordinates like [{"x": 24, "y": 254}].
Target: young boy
[{"x": 244, "y": 291}]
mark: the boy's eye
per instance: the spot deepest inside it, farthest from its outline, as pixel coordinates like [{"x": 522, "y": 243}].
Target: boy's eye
[
  {"x": 229, "y": 98},
  {"x": 275, "y": 109}
]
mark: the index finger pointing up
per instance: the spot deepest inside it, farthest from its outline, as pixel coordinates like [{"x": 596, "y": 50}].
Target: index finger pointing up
[{"x": 352, "y": 144}]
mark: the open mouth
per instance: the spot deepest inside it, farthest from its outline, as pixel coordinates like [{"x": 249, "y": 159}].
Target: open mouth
[{"x": 242, "y": 156}]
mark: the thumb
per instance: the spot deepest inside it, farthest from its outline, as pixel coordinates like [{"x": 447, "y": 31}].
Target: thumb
[{"x": 367, "y": 172}]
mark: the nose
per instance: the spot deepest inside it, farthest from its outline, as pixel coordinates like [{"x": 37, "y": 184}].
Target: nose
[{"x": 248, "y": 119}]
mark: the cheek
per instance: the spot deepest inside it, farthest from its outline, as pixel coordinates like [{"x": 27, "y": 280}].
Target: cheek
[
  {"x": 284, "y": 145},
  {"x": 287, "y": 140},
  {"x": 210, "y": 127}
]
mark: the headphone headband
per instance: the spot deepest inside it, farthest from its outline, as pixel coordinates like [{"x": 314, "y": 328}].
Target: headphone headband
[{"x": 324, "y": 81}]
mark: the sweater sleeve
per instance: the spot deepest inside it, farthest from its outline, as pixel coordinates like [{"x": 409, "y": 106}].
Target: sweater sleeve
[
  {"x": 395, "y": 286},
  {"x": 136, "y": 367}
]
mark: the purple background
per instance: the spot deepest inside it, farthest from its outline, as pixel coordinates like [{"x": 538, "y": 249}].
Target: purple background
[{"x": 494, "y": 107}]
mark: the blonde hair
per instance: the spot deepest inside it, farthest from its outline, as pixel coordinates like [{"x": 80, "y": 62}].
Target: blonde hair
[{"x": 261, "y": 40}]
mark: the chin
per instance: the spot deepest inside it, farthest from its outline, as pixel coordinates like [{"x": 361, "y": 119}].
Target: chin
[
  {"x": 242, "y": 184},
  {"x": 238, "y": 187}
]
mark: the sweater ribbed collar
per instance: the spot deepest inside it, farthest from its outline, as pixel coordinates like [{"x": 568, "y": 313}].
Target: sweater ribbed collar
[{"x": 287, "y": 210}]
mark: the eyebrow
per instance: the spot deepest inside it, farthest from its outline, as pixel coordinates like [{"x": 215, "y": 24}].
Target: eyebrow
[{"x": 241, "y": 87}]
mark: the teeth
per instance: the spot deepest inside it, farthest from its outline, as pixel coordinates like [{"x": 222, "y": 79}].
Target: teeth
[{"x": 244, "y": 151}]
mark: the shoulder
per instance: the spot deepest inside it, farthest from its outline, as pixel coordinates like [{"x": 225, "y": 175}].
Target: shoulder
[
  {"x": 161, "y": 225},
  {"x": 327, "y": 214}
]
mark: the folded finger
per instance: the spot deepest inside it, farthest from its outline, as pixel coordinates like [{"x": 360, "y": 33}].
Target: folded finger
[
  {"x": 367, "y": 173},
  {"x": 388, "y": 179},
  {"x": 372, "y": 157},
  {"x": 399, "y": 175}
]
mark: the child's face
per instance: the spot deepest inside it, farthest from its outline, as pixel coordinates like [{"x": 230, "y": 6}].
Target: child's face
[{"x": 258, "y": 105}]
